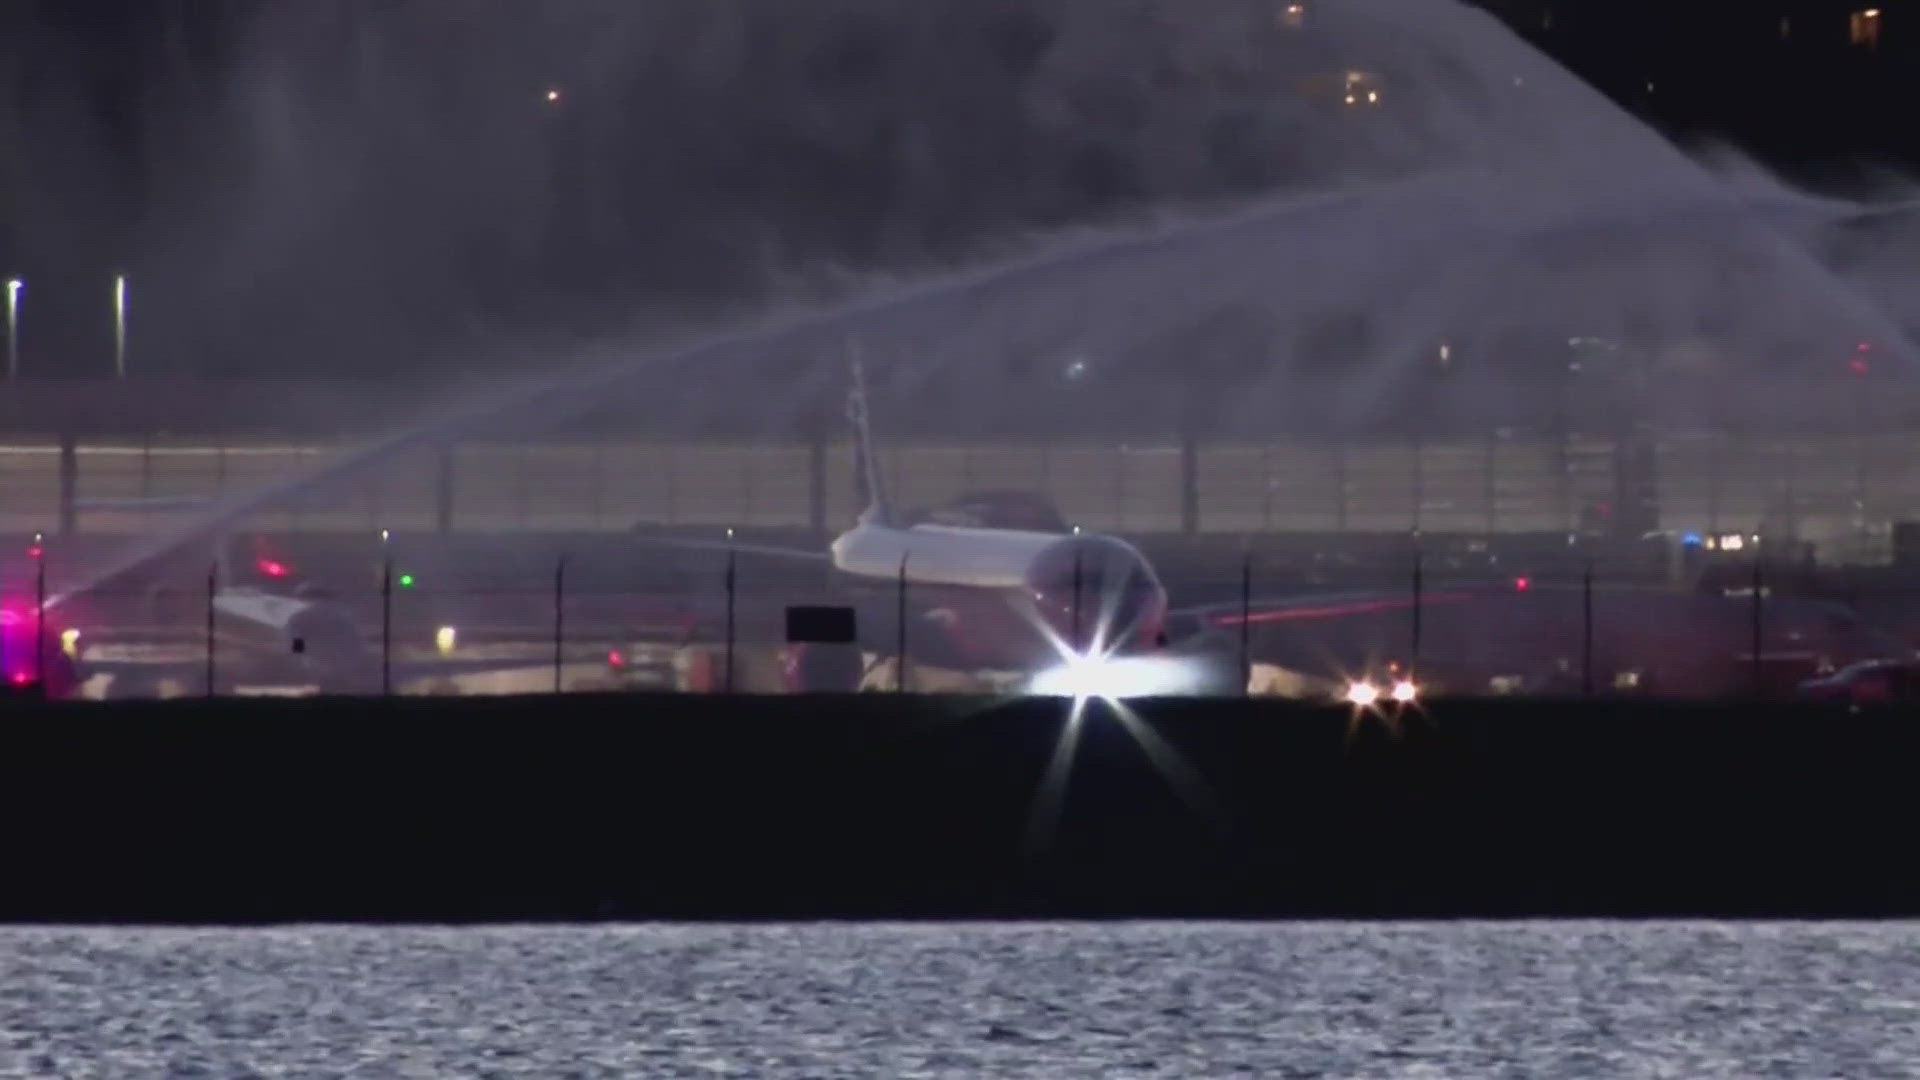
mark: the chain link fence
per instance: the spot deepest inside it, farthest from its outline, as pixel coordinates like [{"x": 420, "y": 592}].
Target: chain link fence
[{"x": 707, "y": 622}]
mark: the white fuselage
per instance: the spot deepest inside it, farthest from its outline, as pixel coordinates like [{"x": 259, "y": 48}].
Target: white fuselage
[
  {"x": 942, "y": 555},
  {"x": 1010, "y": 598}
]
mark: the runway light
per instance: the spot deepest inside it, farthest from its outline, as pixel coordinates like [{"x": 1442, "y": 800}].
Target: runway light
[
  {"x": 271, "y": 568},
  {"x": 615, "y": 659},
  {"x": 1362, "y": 694},
  {"x": 406, "y": 581},
  {"x": 21, "y": 678},
  {"x": 446, "y": 639},
  {"x": 1405, "y": 691},
  {"x": 70, "y": 642},
  {"x": 1522, "y": 584}
]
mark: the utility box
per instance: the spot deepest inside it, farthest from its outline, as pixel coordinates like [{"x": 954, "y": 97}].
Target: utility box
[
  {"x": 823, "y": 650},
  {"x": 821, "y": 626}
]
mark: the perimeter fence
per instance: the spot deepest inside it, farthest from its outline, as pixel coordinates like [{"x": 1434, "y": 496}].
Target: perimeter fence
[{"x": 714, "y": 623}]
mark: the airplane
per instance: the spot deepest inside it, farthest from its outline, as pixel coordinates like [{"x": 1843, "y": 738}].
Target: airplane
[{"x": 991, "y": 597}]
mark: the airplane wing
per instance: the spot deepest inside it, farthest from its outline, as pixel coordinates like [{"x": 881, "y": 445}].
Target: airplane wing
[
  {"x": 1195, "y": 624},
  {"x": 723, "y": 546},
  {"x": 1309, "y": 606}
]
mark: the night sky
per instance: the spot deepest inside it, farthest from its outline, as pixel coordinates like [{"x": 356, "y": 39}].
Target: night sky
[{"x": 359, "y": 187}]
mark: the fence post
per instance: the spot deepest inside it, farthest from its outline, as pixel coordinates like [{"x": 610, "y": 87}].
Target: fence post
[
  {"x": 386, "y": 626},
  {"x": 213, "y": 586},
  {"x": 1758, "y": 677},
  {"x": 1586, "y": 628},
  {"x": 900, "y": 620},
  {"x": 731, "y": 559},
  {"x": 1078, "y": 649},
  {"x": 559, "y": 616},
  {"x": 1413, "y": 658},
  {"x": 1246, "y": 623},
  {"x": 40, "y": 616}
]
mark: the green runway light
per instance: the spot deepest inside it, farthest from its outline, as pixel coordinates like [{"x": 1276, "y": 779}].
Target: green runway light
[{"x": 406, "y": 581}]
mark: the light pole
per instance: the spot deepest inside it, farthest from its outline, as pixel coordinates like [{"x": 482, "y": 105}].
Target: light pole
[
  {"x": 14, "y": 288},
  {"x": 120, "y": 326}
]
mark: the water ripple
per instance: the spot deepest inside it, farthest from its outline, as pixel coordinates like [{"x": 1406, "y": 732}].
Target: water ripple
[{"x": 1136, "y": 999}]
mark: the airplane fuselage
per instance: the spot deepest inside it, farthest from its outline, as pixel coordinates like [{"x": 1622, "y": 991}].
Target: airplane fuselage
[{"x": 1003, "y": 599}]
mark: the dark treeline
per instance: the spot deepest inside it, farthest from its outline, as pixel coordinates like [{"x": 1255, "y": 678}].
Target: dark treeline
[{"x": 359, "y": 186}]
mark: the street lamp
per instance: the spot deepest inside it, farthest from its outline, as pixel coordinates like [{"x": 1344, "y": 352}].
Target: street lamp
[
  {"x": 120, "y": 325},
  {"x": 14, "y": 288}
]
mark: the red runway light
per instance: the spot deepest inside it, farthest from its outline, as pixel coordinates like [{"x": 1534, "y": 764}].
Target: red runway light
[
  {"x": 1522, "y": 584},
  {"x": 271, "y": 568},
  {"x": 21, "y": 678},
  {"x": 614, "y": 659}
]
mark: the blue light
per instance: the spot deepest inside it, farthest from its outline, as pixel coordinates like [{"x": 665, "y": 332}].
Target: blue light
[{"x": 1691, "y": 540}]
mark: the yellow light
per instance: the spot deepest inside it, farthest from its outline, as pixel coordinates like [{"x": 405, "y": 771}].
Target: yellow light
[
  {"x": 1351, "y": 99},
  {"x": 1373, "y": 97},
  {"x": 446, "y": 639},
  {"x": 1871, "y": 13},
  {"x": 70, "y": 643}
]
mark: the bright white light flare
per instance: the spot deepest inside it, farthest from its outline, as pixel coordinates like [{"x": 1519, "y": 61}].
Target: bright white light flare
[
  {"x": 1118, "y": 677},
  {"x": 1362, "y": 694}
]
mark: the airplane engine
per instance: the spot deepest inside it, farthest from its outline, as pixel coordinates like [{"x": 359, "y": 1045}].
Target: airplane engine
[{"x": 1099, "y": 591}]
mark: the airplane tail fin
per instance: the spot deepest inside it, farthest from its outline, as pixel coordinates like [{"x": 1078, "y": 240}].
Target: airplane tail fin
[{"x": 868, "y": 482}]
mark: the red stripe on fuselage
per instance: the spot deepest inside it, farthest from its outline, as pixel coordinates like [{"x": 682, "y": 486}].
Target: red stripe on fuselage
[{"x": 1333, "y": 611}]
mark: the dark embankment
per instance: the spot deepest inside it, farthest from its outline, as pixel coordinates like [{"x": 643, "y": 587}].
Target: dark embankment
[{"x": 584, "y": 807}]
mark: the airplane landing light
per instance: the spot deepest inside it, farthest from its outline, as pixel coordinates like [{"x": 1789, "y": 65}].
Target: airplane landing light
[
  {"x": 1362, "y": 694},
  {"x": 1116, "y": 678}
]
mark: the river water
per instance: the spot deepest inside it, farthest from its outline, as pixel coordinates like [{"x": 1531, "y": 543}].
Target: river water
[{"x": 830, "y": 1000}]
